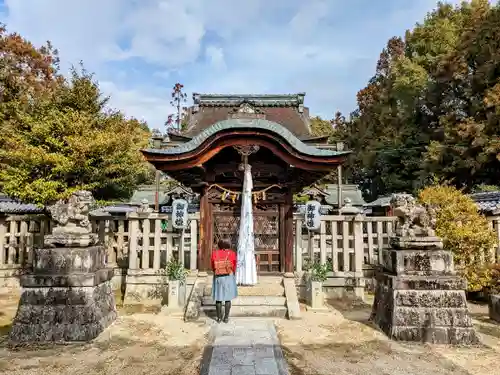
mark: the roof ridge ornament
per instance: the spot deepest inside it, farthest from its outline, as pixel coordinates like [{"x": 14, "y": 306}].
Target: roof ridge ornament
[{"x": 246, "y": 110}]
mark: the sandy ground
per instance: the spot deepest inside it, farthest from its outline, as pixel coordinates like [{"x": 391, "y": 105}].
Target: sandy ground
[
  {"x": 136, "y": 344},
  {"x": 342, "y": 341}
]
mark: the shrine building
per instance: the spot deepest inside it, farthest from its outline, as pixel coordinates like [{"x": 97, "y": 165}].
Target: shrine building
[{"x": 272, "y": 133}]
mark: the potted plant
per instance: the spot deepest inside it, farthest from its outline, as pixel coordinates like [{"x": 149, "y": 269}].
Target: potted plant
[
  {"x": 317, "y": 276},
  {"x": 176, "y": 274}
]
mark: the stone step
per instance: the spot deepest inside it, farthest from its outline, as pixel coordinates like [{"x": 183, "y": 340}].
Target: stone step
[
  {"x": 250, "y": 301},
  {"x": 257, "y": 290},
  {"x": 248, "y": 311}
]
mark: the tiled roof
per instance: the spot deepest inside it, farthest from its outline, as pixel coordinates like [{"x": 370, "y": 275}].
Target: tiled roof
[
  {"x": 260, "y": 100},
  {"x": 192, "y": 208},
  {"x": 348, "y": 191},
  {"x": 384, "y": 201},
  {"x": 487, "y": 201},
  {"x": 12, "y": 206},
  {"x": 114, "y": 210},
  {"x": 274, "y": 127},
  {"x": 148, "y": 192},
  {"x": 324, "y": 209},
  {"x": 287, "y": 110}
]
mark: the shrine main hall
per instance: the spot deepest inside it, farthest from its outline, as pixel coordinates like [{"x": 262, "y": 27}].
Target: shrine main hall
[{"x": 272, "y": 133}]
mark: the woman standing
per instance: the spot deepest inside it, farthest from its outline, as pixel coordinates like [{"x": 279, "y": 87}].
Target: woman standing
[{"x": 224, "y": 284}]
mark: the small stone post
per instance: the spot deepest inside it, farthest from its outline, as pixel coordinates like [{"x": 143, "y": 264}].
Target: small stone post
[
  {"x": 419, "y": 296},
  {"x": 67, "y": 295}
]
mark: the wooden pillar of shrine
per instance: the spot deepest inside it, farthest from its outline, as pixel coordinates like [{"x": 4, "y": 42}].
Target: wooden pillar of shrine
[
  {"x": 287, "y": 234},
  {"x": 205, "y": 239}
]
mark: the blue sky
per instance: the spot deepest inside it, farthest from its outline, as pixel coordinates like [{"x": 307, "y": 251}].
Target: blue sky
[{"x": 138, "y": 49}]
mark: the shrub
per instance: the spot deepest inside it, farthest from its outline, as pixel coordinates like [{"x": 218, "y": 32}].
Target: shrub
[
  {"x": 319, "y": 272},
  {"x": 176, "y": 271},
  {"x": 464, "y": 231}
]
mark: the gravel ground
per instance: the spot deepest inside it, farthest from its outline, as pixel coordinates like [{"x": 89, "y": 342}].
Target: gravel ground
[
  {"x": 141, "y": 343},
  {"x": 342, "y": 341}
]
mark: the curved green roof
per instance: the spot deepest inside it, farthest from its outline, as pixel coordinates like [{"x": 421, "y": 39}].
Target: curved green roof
[{"x": 271, "y": 126}]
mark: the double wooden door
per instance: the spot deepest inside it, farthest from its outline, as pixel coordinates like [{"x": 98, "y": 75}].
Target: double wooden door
[{"x": 226, "y": 223}]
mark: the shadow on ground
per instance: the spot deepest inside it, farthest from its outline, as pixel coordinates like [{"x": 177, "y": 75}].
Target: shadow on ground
[
  {"x": 355, "y": 310},
  {"x": 115, "y": 355},
  {"x": 365, "y": 358}
]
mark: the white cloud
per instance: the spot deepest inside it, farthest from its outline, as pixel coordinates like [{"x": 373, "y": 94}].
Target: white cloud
[
  {"x": 139, "y": 49},
  {"x": 215, "y": 56}
]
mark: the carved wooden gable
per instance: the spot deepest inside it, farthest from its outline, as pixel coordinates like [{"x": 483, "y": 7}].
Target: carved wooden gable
[{"x": 247, "y": 110}]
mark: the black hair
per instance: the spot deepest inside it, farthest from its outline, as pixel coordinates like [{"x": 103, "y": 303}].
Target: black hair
[{"x": 224, "y": 244}]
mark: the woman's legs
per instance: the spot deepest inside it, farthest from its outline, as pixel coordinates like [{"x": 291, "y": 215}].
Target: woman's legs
[
  {"x": 218, "y": 309},
  {"x": 227, "y": 309}
]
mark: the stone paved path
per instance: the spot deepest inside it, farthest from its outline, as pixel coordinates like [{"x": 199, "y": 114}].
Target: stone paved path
[{"x": 244, "y": 347}]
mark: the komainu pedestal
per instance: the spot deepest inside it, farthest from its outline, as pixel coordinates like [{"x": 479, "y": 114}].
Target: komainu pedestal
[
  {"x": 419, "y": 296},
  {"x": 67, "y": 295}
]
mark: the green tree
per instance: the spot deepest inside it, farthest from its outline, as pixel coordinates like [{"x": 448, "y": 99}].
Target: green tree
[
  {"x": 431, "y": 109},
  {"x": 468, "y": 83},
  {"x": 58, "y": 135},
  {"x": 464, "y": 231},
  {"x": 320, "y": 127}
]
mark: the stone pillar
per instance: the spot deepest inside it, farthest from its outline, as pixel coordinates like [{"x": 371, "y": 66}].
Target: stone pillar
[
  {"x": 67, "y": 296},
  {"x": 419, "y": 297},
  {"x": 494, "y": 307}
]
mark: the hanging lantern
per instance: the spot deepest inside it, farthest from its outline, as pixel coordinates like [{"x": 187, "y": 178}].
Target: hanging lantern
[
  {"x": 179, "y": 213},
  {"x": 312, "y": 215}
]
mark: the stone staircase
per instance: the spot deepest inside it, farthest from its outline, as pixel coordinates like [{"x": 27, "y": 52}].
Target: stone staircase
[{"x": 266, "y": 299}]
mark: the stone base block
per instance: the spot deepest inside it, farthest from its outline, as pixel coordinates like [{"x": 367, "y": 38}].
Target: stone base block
[
  {"x": 145, "y": 287},
  {"x": 418, "y": 262},
  {"x": 416, "y": 242},
  {"x": 68, "y": 260},
  {"x": 9, "y": 278},
  {"x": 63, "y": 314},
  {"x": 423, "y": 309},
  {"x": 494, "y": 307}
]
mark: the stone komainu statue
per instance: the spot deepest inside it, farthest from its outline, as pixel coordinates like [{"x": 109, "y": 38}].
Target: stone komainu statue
[
  {"x": 414, "y": 220},
  {"x": 72, "y": 221}
]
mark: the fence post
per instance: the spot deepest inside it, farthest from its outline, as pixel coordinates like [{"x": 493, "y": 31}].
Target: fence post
[
  {"x": 359, "y": 250},
  {"x": 11, "y": 256},
  {"x": 322, "y": 242},
  {"x": 194, "y": 243},
  {"x": 498, "y": 240},
  {"x": 145, "y": 242},
  {"x": 3, "y": 231},
  {"x": 298, "y": 244},
  {"x": 133, "y": 226},
  {"x": 359, "y": 253}
]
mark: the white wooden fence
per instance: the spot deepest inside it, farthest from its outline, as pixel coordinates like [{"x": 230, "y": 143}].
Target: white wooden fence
[{"x": 147, "y": 241}]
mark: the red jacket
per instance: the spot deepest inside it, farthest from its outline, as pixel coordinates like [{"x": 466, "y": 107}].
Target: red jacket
[{"x": 222, "y": 254}]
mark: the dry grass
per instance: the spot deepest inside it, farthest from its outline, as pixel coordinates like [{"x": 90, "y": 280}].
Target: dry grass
[
  {"x": 343, "y": 342},
  {"x": 137, "y": 343}
]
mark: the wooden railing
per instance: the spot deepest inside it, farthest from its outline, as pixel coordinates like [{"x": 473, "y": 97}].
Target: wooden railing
[
  {"x": 494, "y": 256},
  {"x": 18, "y": 235},
  {"x": 147, "y": 241},
  {"x": 346, "y": 243},
  {"x": 153, "y": 241}
]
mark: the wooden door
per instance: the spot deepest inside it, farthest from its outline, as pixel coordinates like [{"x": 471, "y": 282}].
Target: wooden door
[{"x": 226, "y": 222}]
